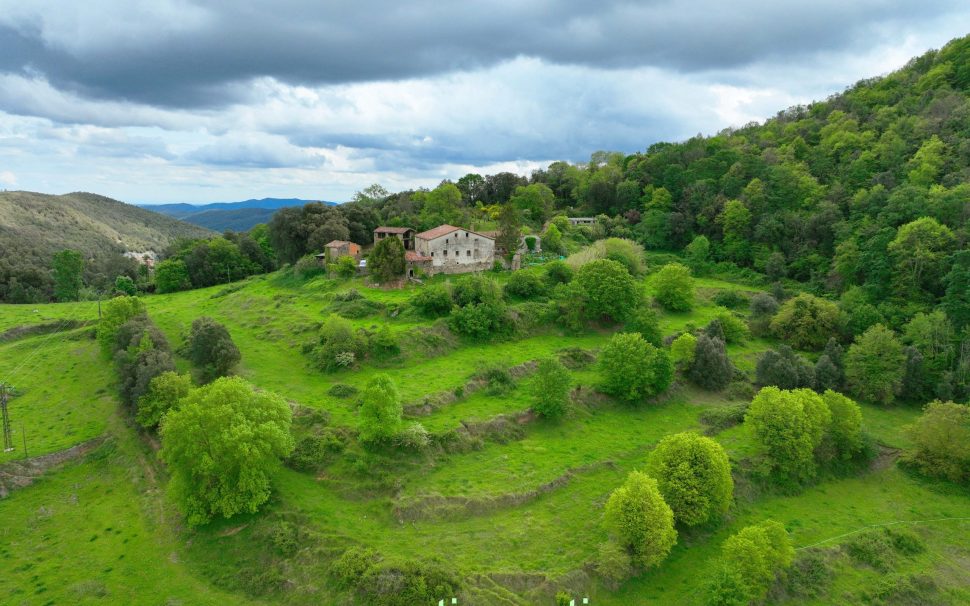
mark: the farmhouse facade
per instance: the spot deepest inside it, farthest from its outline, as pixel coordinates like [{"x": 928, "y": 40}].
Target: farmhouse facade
[
  {"x": 404, "y": 234},
  {"x": 340, "y": 248},
  {"x": 455, "y": 250}
]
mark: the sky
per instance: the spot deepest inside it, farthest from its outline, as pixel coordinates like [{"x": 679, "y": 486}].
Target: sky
[{"x": 194, "y": 101}]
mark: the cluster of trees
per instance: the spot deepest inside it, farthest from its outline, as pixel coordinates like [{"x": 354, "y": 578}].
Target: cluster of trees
[
  {"x": 941, "y": 442},
  {"x": 339, "y": 346},
  {"x": 687, "y": 482},
  {"x": 206, "y": 262}
]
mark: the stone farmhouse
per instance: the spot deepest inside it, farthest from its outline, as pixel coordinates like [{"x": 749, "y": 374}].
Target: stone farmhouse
[
  {"x": 339, "y": 248},
  {"x": 444, "y": 249}
]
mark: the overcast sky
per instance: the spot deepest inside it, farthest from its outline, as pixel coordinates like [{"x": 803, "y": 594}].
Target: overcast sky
[{"x": 189, "y": 101}]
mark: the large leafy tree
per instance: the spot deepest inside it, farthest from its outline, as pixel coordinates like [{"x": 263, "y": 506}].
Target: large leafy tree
[
  {"x": 633, "y": 369},
  {"x": 807, "y": 322},
  {"x": 116, "y": 312},
  {"x": 751, "y": 561},
  {"x": 222, "y": 446},
  {"x": 694, "y": 477},
  {"x": 172, "y": 275},
  {"x": 211, "y": 349},
  {"x": 956, "y": 301},
  {"x": 674, "y": 287},
  {"x": 386, "y": 261},
  {"x": 941, "y": 441},
  {"x": 611, "y": 293},
  {"x": 711, "y": 367},
  {"x": 875, "y": 364},
  {"x": 68, "y": 269},
  {"x": 919, "y": 251},
  {"x": 640, "y": 519},
  {"x": 164, "y": 393},
  {"x": 789, "y": 426}
]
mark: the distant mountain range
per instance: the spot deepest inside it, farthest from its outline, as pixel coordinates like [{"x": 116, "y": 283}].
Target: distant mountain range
[{"x": 220, "y": 216}]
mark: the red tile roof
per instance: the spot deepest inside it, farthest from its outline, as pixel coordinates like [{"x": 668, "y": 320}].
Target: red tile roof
[
  {"x": 413, "y": 257},
  {"x": 392, "y": 230},
  {"x": 442, "y": 230},
  {"x": 337, "y": 244}
]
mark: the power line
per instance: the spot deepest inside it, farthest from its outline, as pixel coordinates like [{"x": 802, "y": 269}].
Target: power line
[
  {"x": 884, "y": 524},
  {"x": 36, "y": 349}
]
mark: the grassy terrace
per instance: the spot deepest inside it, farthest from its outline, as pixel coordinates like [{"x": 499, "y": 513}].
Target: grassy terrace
[{"x": 89, "y": 528}]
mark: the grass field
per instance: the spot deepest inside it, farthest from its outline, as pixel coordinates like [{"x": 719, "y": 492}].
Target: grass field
[{"x": 518, "y": 517}]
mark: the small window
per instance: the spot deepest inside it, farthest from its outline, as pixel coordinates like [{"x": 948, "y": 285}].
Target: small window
[
  {"x": 446, "y": 240},
  {"x": 468, "y": 253},
  {"x": 432, "y": 253},
  {"x": 466, "y": 234}
]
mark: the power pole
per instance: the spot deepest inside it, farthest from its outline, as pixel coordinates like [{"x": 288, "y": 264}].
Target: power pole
[{"x": 7, "y": 436}]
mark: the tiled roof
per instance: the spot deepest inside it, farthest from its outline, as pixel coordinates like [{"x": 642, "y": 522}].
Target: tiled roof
[
  {"x": 392, "y": 230},
  {"x": 337, "y": 244},
  {"x": 412, "y": 256}
]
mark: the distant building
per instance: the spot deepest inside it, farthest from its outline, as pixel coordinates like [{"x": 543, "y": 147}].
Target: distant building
[
  {"x": 574, "y": 221},
  {"x": 147, "y": 258},
  {"x": 454, "y": 250},
  {"x": 340, "y": 248},
  {"x": 405, "y": 234}
]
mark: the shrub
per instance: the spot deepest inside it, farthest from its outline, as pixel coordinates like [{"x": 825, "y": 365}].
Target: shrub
[
  {"x": 640, "y": 519},
  {"x": 413, "y": 437},
  {"x": 613, "y": 564},
  {"x": 733, "y": 327},
  {"x": 644, "y": 321},
  {"x": 711, "y": 369},
  {"x": 694, "y": 476},
  {"x": 626, "y": 252},
  {"x": 763, "y": 304},
  {"x": 380, "y": 410},
  {"x": 609, "y": 290},
  {"x": 722, "y": 417},
  {"x": 142, "y": 353},
  {"x": 872, "y": 547},
  {"x": 682, "y": 350},
  {"x": 313, "y": 451},
  {"x": 383, "y": 344},
  {"x": 524, "y": 285},
  {"x": 474, "y": 289},
  {"x": 557, "y": 272},
  {"x": 498, "y": 380},
  {"x": 783, "y": 368},
  {"x": 751, "y": 560},
  {"x": 731, "y": 299},
  {"x": 211, "y": 349},
  {"x": 346, "y": 266},
  {"x": 789, "y": 426},
  {"x": 941, "y": 441},
  {"x": 116, "y": 312},
  {"x": 221, "y": 446},
  {"x": 308, "y": 266},
  {"x": 164, "y": 393},
  {"x": 356, "y": 308},
  {"x": 172, "y": 275},
  {"x": 576, "y": 357},
  {"x": 481, "y": 321},
  {"x": 633, "y": 369},
  {"x": 550, "y": 388},
  {"x": 335, "y": 341},
  {"x": 674, "y": 287},
  {"x": 807, "y": 322},
  {"x": 810, "y": 574},
  {"x": 904, "y": 590},
  {"x": 350, "y": 568},
  {"x": 433, "y": 301},
  {"x": 845, "y": 431},
  {"x": 406, "y": 583},
  {"x": 874, "y": 365},
  {"x": 341, "y": 390},
  {"x": 125, "y": 285}
]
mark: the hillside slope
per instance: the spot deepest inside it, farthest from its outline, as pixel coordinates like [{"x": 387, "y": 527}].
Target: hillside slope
[
  {"x": 34, "y": 226},
  {"x": 238, "y": 219}
]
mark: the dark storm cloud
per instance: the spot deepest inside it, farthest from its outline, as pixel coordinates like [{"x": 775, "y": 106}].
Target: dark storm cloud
[{"x": 197, "y": 50}]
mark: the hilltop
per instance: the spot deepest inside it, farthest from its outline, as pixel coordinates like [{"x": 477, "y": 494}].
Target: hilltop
[{"x": 220, "y": 216}]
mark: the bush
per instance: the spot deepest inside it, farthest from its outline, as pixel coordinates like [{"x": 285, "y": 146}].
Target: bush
[
  {"x": 751, "y": 561},
  {"x": 550, "y": 389},
  {"x": 731, "y": 299},
  {"x": 557, "y": 272},
  {"x": 609, "y": 290},
  {"x": 340, "y": 390},
  {"x": 350, "y": 568},
  {"x": 763, "y": 304},
  {"x": 640, "y": 519},
  {"x": 211, "y": 349},
  {"x": 723, "y": 417},
  {"x": 125, "y": 286},
  {"x": 434, "y": 301},
  {"x": 413, "y": 437},
  {"x": 711, "y": 369},
  {"x": 789, "y": 426},
  {"x": 380, "y": 410},
  {"x": 164, "y": 393},
  {"x": 682, "y": 350},
  {"x": 874, "y": 548},
  {"x": 625, "y": 252},
  {"x": 905, "y": 590},
  {"x": 142, "y": 353},
  {"x": 644, "y": 321},
  {"x": 336, "y": 345},
  {"x": 810, "y": 574},
  {"x": 171, "y": 275},
  {"x": 674, "y": 287},
  {"x": 116, "y": 312},
  {"x": 785, "y": 369},
  {"x": 733, "y": 327},
  {"x": 346, "y": 266},
  {"x": 356, "y": 308},
  {"x": 613, "y": 564},
  {"x": 845, "y": 431},
  {"x": 406, "y": 583},
  {"x": 694, "y": 476},
  {"x": 498, "y": 380},
  {"x": 481, "y": 321},
  {"x": 474, "y": 289},
  {"x": 222, "y": 445},
  {"x": 308, "y": 266},
  {"x": 633, "y": 369},
  {"x": 524, "y": 285},
  {"x": 941, "y": 442},
  {"x": 382, "y": 344},
  {"x": 807, "y": 322},
  {"x": 313, "y": 451}
]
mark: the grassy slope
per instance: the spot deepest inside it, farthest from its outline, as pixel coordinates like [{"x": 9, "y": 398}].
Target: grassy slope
[{"x": 552, "y": 535}]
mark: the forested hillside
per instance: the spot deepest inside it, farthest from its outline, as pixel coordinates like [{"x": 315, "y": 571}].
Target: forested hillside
[{"x": 33, "y": 227}]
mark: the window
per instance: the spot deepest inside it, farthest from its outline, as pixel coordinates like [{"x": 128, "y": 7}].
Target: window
[
  {"x": 446, "y": 240},
  {"x": 466, "y": 234},
  {"x": 468, "y": 253},
  {"x": 432, "y": 253}
]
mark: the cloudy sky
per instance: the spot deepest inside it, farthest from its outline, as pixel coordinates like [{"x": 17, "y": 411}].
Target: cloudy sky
[{"x": 182, "y": 100}]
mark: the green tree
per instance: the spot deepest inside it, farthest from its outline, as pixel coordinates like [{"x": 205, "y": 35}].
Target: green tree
[
  {"x": 68, "y": 269},
  {"x": 874, "y": 365},
  {"x": 609, "y": 288},
  {"x": 510, "y": 229},
  {"x": 550, "y": 388},
  {"x": 845, "y": 431},
  {"x": 633, "y": 369},
  {"x": 789, "y": 426},
  {"x": 644, "y": 320},
  {"x": 116, "y": 312},
  {"x": 345, "y": 266},
  {"x": 386, "y": 261},
  {"x": 735, "y": 222},
  {"x": 211, "y": 349},
  {"x": 433, "y": 301},
  {"x": 380, "y": 411},
  {"x": 637, "y": 514},
  {"x": 751, "y": 561},
  {"x": 807, "y": 322},
  {"x": 534, "y": 201},
  {"x": 125, "y": 285},
  {"x": 927, "y": 162},
  {"x": 694, "y": 477},
  {"x": 221, "y": 445},
  {"x": 552, "y": 240},
  {"x": 956, "y": 301},
  {"x": 171, "y": 275},
  {"x": 164, "y": 393},
  {"x": 682, "y": 350},
  {"x": 711, "y": 369},
  {"x": 697, "y": 252},
  {"x": 941, "y": 441},
  {"x": 919, "y": 251},
  {"x": 674, "y": 287}
]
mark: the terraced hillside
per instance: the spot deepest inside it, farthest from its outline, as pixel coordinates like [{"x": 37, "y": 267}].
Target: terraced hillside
[{"x": 509, "y": 503}]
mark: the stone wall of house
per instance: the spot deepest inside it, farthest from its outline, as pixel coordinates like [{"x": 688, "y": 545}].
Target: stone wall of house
[{"x": 458, "y": 252}]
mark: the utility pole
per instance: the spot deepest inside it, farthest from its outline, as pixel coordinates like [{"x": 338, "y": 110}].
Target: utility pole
[{"x": 7, "y": 436}]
